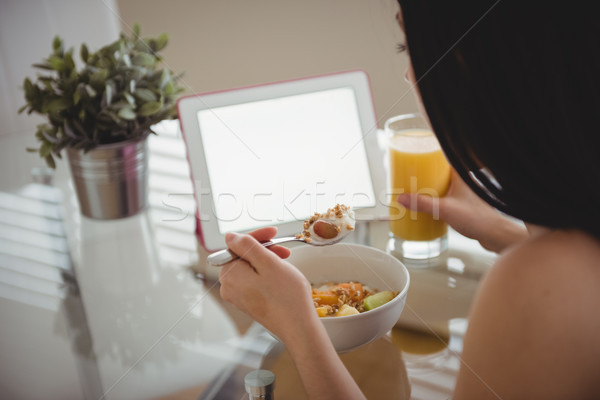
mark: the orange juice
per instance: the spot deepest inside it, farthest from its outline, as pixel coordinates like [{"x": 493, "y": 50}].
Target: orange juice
[
  {"x": 417, "y": 165},
  {"x": 414, "y": 341}
]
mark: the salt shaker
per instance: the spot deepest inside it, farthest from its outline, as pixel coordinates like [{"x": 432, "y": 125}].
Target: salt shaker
[{"x": 260, "y": 384}]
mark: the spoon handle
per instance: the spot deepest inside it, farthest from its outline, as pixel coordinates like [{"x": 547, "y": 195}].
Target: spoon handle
[{"x": 224, "y": 256}]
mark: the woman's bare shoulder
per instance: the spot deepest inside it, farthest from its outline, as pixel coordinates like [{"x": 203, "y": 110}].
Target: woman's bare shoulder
[
  {"x": 534, "y": 324},
  {"x": 558, "y": 258}
]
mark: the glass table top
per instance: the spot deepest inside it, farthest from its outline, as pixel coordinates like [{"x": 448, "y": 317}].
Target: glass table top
[{"x": 128, "y": 309}]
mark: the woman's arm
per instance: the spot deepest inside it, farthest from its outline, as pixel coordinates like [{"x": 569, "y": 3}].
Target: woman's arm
[
  {"x": 323, "y": 374},
  {"x": 278, "y": 297},
  {"x": 469, "y": 215}
]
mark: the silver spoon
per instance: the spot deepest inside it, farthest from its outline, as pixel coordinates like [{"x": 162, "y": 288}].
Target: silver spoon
[{"x": 224, "y": 256}]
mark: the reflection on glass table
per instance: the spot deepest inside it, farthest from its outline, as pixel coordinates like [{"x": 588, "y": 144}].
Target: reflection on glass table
[{"x": 154, "y": 328}]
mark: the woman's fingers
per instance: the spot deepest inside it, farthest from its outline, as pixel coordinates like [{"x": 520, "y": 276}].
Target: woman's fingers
[
  {"x": 282, "y": 252},
  {"x": 267, "y": 233},
  {"x": 249, "y": 249},
  {"x": 231, "y": 276},
  {"x": 421, "y": 203},
  {"x": 264, "y": 234}
]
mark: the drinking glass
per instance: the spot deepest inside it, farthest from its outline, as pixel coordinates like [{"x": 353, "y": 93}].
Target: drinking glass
[{"x": 416, "y": 165}]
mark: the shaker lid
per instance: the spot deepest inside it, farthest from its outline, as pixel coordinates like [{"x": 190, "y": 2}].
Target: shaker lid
[{"x": 259, "y": 382}]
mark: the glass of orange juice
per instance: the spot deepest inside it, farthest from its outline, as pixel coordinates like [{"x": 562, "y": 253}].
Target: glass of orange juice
[{"x": 416, "y": 165}]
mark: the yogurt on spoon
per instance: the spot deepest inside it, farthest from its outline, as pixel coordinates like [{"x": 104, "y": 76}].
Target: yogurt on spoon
[{"x": 337, "y": 222}]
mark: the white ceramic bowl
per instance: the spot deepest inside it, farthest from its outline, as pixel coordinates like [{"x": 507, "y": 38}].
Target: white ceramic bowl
[{"x": 350, "y": 262}]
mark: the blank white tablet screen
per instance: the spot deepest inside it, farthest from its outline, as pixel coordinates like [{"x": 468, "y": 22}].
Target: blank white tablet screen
[{"x": 280, "y": 160}]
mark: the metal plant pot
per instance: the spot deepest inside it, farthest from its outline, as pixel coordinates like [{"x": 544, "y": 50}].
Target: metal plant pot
[{"x": 111, "y": 180}]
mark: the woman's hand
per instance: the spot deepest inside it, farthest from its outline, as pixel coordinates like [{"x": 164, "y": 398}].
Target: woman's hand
[
  {"x": 469, "y": 215},
  {"x": 278, "y": 296},
  {"x": 264, "y": 286}
]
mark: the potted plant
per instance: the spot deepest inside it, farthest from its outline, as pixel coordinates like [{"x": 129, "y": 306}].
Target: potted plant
[{"x": 101, "y": 114}]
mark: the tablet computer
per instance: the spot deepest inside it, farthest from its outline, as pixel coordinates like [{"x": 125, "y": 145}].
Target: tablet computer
[{"x": 274, "y": 154}]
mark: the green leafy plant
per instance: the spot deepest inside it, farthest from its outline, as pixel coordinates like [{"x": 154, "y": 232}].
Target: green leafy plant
[{"x": 117, "y": 95}]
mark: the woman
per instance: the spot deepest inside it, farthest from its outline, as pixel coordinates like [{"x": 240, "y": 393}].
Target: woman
[{"x": 513, "y": 93}]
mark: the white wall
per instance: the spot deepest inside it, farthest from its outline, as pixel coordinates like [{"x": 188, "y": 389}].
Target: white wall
[
  {"x": 230, "y": 43},
  {"x": 26, "y": 32}
]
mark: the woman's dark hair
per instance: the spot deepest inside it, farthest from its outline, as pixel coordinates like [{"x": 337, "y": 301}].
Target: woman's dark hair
[{"x": 512, "y": 90}]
